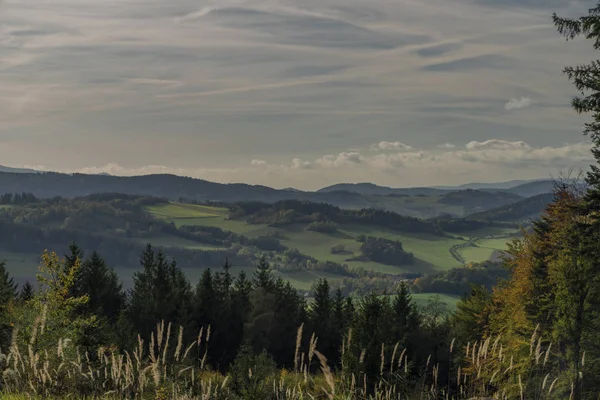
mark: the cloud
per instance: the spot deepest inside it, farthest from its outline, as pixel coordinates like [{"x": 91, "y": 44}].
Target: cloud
[
  {"x": 447, "y": 146},
  {"x": 487, "y": 61},
  {"x": 299, "y": 164},
  {"x": 438, "y": 50},
  {"x": 216, "y": 84},
  {"x": 341, "y": 159},
  {"x": 497, "y": 144},
  {"x": 489, "y": 161},
  {"x": 384, "y": 145},
  {"x": 518, "y": 103}
]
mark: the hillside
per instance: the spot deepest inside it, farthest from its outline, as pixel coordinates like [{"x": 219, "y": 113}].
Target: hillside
[
  {"x": 371, "y": 189},
  {"x": 472, "y": 200},
  {"x": 303, "y": 240},
  {"x": 414, "y": 202},
  {"x": 524, "y": 210}
]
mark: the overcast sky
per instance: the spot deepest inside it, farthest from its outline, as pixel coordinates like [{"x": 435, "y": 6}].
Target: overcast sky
[{"x": 301, "y": 93}]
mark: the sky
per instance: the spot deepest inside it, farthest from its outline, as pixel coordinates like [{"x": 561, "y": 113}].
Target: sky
[{"x": 292, "y": 93}]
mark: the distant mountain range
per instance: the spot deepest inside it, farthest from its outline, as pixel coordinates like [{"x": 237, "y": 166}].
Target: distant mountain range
[
  {"x": 17, "y": 170},
  {"x": 520, "y": 188},
  {"x": 422, "y": 202}
]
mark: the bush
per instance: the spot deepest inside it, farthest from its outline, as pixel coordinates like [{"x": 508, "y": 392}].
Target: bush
[{"x": 323, "y": 227}]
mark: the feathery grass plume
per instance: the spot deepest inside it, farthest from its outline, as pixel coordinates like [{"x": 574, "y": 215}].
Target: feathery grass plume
[
  {"x": 160, "y": 327},
  {"x": 521, "y": 387},
  {"x": 572, "y": 391},
  {"x": 328, "y": 375},
  {"x": 151, "y": 348},
  {"x": 452, "y": 345},
  {"x": 538, "y": 351},
  {"x": 179, "y": 343},
  {"x": 394, "y": 357},
  {"x": 43, "y": 319},
  {"x": 361, "y": 359},
  {"x": 545, "y": 381},
  {"x": 382, "y": 356},
  {"x": 546, "y": 357},
  {"x": 533, "y": 338},
  {"x": 552, "y": 385},
  {"x": 427, "y": 364},
  {"x": 401, "y": 358},
  {"x": 298, "y": 343},
  {"x": 583, "y": 359},
  {"x": 199, "y": 340},
  {"x": 312, "y": 348},
  {"x": 167, "y": 339}
]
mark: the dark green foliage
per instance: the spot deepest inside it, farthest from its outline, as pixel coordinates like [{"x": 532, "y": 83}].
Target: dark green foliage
[
  {"x": 458, "y": 281},
  {"x": 249, "y": 374},
  {"x": 323, "y": 227},
  {"x": 321, "y": 318},
  {"x": 385, "y": 251},
  {"x": 101, "y": 284},
  {"x": 8, "y": 292},
  {"x": 473, "y": 199},
  {"x": 471, "y": 317},
  {"x": 161, "y": 292},
  {"x": 293, "y": 211},
  {"x": 26, "y": 293}
]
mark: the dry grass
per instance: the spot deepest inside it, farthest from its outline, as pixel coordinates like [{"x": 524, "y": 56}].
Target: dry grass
[{"x": 164, "y": 368}]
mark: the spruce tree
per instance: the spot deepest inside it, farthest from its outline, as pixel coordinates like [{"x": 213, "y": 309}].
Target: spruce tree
[
  {"x": 321, "y": 318},
  {"x": 406, "y": 316},
  {"x": 26, "y": 293},
  {"x": 8, "y": 290},
  {"x": 101, "y": 284}
]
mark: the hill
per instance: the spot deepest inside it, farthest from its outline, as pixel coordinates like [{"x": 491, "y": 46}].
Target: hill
[
  {"x": 355, "y": 248},
  {"x": 17, "y": 170},
  {"x": 524, "y": 210},
  {"x": 371, "y": 189},
  {"x": 472, "y": 200},
  {"x": 415, "y": 202},
  {"x": 532, "y": 188}
]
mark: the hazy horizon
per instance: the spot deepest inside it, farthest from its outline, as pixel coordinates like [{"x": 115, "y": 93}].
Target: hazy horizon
[{"x": 289, "y": 93}]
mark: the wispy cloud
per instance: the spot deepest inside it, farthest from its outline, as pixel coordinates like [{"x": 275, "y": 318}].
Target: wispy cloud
[
  {"x": 518, "y": 103},
  {"x": 213, "y": 85}
]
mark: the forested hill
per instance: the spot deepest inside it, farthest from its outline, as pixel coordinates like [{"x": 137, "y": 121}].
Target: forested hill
[
  {"x": 414, "y": 202},
  {"x": 526, "y": 209}
]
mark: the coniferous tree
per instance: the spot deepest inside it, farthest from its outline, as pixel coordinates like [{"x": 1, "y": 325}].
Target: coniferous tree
[
  {"x": 321, "y": 317},
  {"x": 101, "y": 284},
  {"x": 160, "y": 293},
  {"x": 8, "y": 291},
  {"x": 406, "y": 316},
  {"x": 26, "y": 293}
]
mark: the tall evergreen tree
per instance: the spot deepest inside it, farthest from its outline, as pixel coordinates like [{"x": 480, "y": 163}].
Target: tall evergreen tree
[
  {"x": 101, "y": 284},
  {"x": 26, "y": 293},
  {"x": 321, "y": 318},
  {"x": 8, "y": 291},
  {"x": 160, "y": 293},
  {"x": 406, "y": 316}
]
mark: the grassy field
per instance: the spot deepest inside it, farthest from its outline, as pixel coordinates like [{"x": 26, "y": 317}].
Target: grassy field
[
  {"x": 432, "y": 251},
  {"x": 484, "y": 249}
]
